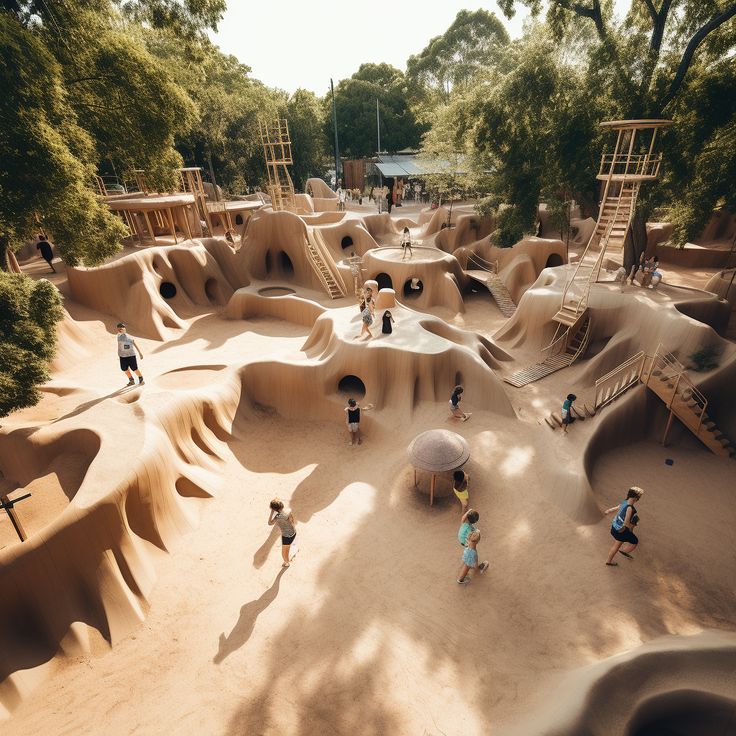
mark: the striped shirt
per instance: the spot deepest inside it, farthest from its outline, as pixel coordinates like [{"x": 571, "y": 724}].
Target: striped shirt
[{"x": 282, "y": 519}]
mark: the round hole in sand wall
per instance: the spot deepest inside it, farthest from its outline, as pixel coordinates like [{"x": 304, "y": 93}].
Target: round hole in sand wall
[
  {"x": 384, "y": 281},
  {"x": 351, "y": 386},
  {"x": 413, "y": 288},
  {"x": 346, "y": 242},
  {"x": 555, "y": 259},
  {"x": 287, "y": 267},
  {"x": 167, "y": 290},
  {"x": 238, "y": 219}
]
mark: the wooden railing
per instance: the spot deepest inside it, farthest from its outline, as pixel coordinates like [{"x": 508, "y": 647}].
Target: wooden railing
[
  {"x": 615, "y": 382},
  {"x": 673, "y": 382},
  {"x": 482, "y": 263},
  {"x": 623, "y": 164}
]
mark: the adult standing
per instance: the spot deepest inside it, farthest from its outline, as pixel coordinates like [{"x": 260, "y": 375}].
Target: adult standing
[
  {"x": 622, "y": 526},
  {"x": 284, "y": 519}
]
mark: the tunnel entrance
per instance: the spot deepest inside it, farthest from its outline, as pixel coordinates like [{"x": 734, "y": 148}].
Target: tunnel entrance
[
  {"x": 413, "y": 288},
  {"x": 167, "y": 290},
  {"x": 384, "y": 281},
  {"x": 346, "y": 242},
  {"x": 555, "y": 259},
  {"x": 351, "y": 386}
]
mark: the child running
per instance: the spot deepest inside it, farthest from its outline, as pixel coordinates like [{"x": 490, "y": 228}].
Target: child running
[
  {"x": 470, "y": 558},
  {"x": 126, "y": 352}
]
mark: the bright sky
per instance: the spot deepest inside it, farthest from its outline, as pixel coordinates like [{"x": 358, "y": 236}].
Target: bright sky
[{"x": 297, "y": 43}]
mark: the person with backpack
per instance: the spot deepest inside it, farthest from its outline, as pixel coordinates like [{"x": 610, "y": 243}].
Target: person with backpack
[{"x": 622, "y": 526}]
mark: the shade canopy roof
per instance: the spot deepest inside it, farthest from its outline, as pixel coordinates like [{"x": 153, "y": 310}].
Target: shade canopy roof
[
  {"x": 438, "y": 450},
  {"x": 411, "y": 165}
]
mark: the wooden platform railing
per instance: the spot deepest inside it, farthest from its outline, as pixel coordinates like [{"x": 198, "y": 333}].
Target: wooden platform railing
[{"x": 614, "y": 383}]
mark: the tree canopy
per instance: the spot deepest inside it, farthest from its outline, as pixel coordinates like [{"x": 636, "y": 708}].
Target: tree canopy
[
  {"x": 355, "y": 100},
  {"x": 468, "y": 46}
]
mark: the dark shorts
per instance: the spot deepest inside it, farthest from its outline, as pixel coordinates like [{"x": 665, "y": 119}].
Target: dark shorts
[
  {"x": 128, "y": 362},
  {"x": 569, "y": 419},
  {"x": 625, "y": 535},
  {"x": 288, "y": 540}
]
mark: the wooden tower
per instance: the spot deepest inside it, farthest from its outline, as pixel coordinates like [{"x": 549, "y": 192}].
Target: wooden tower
[
  {"x": 277, "y": 152},
  {"x": 191, "y": 181},
  {"x": 633, "y": 161}
]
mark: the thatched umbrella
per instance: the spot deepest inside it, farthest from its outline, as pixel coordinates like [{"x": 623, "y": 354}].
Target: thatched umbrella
[{"x": 437, "y": 451}]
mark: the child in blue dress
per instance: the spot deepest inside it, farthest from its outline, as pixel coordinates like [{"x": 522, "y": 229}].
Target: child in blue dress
[{"x": 470, "y": 558}]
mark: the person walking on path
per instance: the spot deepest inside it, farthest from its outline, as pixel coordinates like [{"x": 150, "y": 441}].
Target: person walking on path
[
  {"x": 284, "y": 519},
  {"x": 126, "y": 352},
  {"x": 47, "y": 253},
  {"x": 460, "y": 480},
  {"x": 454, "y": 404},
  {"x": 352, "y": 417},
  {"x": 470, "y": 558},
  {"x": 622, "y": 527},
  {"x": 567, "y": 412}
]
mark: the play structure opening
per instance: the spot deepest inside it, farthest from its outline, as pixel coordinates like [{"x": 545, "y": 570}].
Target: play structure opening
[
  {"x": 238, "y": 219},
  {"x": 351, "y": 386},
  {"x": 555, "y": 259},
  {"x": 346, "y": 242},
  {"x": 167, "y": 290},
  {"x": 413, "y": 288},
  {"x": 287, "y": 267},
  {"x": 384, "y": 281},
  {"x": 212, "y": 290}
]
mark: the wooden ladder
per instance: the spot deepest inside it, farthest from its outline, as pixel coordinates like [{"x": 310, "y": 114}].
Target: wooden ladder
[
  {"x": 570, "y": 348},
  {"x": 318, "y": 258}
]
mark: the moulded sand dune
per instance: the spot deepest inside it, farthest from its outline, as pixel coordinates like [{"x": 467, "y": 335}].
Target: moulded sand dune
[{"x": 248, "y": 365}]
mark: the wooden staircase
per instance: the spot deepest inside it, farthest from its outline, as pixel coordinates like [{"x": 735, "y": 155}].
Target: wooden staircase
[
  {"x": 663, "y": 374},
  {"x": 486, "y": 273},
  {"x": 609, "y": 236},
  {"x": 570, "y": 350},
  {"x": 324, "y": 265}
]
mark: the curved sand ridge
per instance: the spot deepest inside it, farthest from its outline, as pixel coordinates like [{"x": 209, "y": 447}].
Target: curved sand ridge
[{"x": 156, "y": 452}]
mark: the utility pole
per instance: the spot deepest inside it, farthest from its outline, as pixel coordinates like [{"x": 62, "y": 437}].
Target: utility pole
[
  {"x": 334, "y": 124},
  {"x": 378, "y": 126}
]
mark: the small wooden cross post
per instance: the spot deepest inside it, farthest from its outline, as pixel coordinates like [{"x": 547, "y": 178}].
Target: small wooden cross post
[{"x": 7, "y": 504}]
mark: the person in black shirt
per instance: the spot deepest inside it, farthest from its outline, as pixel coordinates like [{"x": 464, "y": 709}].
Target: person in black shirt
[
  {"x": 352, "y": 417},
  {"x": 47, "y": 253}
]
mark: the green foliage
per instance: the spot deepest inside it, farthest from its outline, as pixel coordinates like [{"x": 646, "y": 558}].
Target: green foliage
[
  {"x": 46, "y": 155},
  {"x": 704, "y": 359},
  {"x": 355, "y": 99},
  {"x": 468, "y": 46},
  {"x": 185, "y": 18},
  {"x": 309, "y": 144},
  {"x": 29, "y": 311}
]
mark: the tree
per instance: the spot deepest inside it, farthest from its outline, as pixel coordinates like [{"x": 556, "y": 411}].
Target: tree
[
  {"x": 47, "y": 158},
  {"x": 355, "y": 100},
  {"x": 308, "y": 142},
  {"x": 468, "y": 46},
  {"x": 29, "y": 311},
  {"x": 647, "y": 66}
]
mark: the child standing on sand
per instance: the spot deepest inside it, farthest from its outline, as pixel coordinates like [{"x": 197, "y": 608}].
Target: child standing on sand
[
  {"x": 352, "y": 417},
  {"x": 285, "y": 521},
  {"x": 460, "y": 481},
  {"x": 470, "y": 558},
  {"x": 126, "y": 352}
]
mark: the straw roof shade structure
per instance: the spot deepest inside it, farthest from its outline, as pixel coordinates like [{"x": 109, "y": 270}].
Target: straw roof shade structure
[{"x": 437, "y": 451}]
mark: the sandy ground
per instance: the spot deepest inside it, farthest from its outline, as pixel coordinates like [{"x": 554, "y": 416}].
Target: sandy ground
[{"x": 367, "y": 632}]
